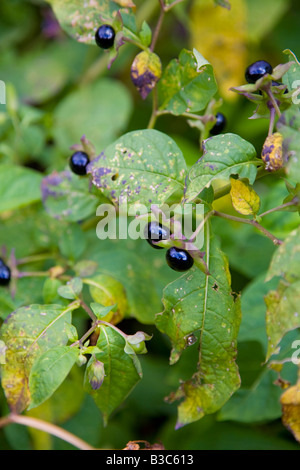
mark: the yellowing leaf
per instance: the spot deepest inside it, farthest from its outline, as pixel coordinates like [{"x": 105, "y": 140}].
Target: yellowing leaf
[
  {"x": 272, "y": 153},
  {"x": 220, "y": 35},
  {"x": 244, "y": 199},
  {"x": 290, "y": 402},
  {"x": 145, "y": 72}
]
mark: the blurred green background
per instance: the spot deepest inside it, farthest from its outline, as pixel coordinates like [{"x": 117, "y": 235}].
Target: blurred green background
[{"x": 58, "y": 90}]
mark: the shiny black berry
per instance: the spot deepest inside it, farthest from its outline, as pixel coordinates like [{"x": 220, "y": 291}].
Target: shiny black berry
[
  {"x": 220, "y": 124},
  {"x": 156, "y": 232},
  {"x": 257, "y": 70},
  {"x": 179, "y": 259},
  {"x": 78, "y": 162},
  {"x": 5, "y": 274},
  {"x": 105, "y": 36}
]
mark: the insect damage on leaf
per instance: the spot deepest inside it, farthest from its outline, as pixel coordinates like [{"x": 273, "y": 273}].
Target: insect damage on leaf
[
  {"x": 272, "y": 153},
  {"x": 146, "y": 70}
]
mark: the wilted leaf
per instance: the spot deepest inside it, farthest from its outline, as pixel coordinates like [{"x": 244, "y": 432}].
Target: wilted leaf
[
  {"x": 272, "y": 153},
  {"x": 186, "y": 85},
  {"x": 283, "y": 313},
  {"x": 145, "y": 72},
  {"x": 143, "y": 166},
  {"x": 223, "y": 155},
  {"x": 27, "y": 333},
  {"x": 290, "y": 402},
  {"x": 203, "y": 306},
  {"x": 244, "y": 199}
]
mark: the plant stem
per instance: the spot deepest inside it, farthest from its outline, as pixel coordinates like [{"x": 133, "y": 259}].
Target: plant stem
[
  {"x": 274, "y": 103},
  {"x": 154, "y": 114},
  {"x": 158, "y": 25},
  {"x": 34, "y": 258},
  {"x": 254, "y": 223},
  {"x": 46, "y": 427},
  {"x": 272, "y": 121},
  {"x": 278, "y": 208}
]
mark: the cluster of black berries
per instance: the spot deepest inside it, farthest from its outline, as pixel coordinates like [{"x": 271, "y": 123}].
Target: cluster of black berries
[
  {"x": 5, "y": 274},
  {"x": 177, "y": 258}
]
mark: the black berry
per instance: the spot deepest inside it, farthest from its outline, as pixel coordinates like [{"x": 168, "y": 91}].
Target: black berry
[
  {"x": 219, "y": 124},
  {"x": 257, "y": 70},
  {"x": 5, "y": 274},
  {"x": 105, "y": 36},
  {"x": 179, "y": 259},
  {"x": 156, "y": 232},
  {"x": 78, "y": 162}
]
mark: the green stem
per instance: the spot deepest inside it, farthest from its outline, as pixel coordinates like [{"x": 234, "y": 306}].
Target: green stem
[
  {"x": 154, "y": 114},
  {"x": 254, "y": 223},
  {"x": 46, "y": 427},
  {"x": 158, "y": 25},
  {"x": 278, "y": 208}
]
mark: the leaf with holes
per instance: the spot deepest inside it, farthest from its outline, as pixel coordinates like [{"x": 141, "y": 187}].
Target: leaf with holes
[
  {"x": 143, "y": 166},
  {"x": 187, "y": 84},
  {"x": 28, "y": 333},
  {"x": 203, "y": 306}
]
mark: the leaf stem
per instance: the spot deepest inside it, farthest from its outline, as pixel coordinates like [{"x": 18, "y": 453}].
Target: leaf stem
[
  {"x": 278, "y": 208},
  {"x": 158, "y": 25},
  {"x": 46, "y": 427},
  {"x": 254, "y": 223}
]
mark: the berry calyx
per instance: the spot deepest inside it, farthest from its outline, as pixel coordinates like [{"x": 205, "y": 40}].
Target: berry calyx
[
  {"x": 78, "y": 163},
  {"x": 156, "y": 232},
  {"x": 179, "y": 259},
  {"x": 257, "y": 70},
  {"x": 105, "y": 36},
  {"x": 219, "y": 124},
  {"x": 5, "y": 274}
]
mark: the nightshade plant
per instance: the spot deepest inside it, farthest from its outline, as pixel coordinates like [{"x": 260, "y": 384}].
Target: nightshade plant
[{"x": 68, "y": 300}]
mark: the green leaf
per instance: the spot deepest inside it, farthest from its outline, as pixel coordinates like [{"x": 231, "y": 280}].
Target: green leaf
[
  {"x": 288, "y": 125},
  {"x": 66, "y": 196},
  {"x": 283, "y": 314},
  {"x": 259, "y": 403},
  {"x": 187, "y": 84},
  {"x": 19, "y": 187},
  {"x": 49, "y": 371},
  {"x": 286, "y": 259},
  {"x": 72, "y": 289},
  {"x": 224, "y": 155},
  {"x": 27, "y": 333},
  {"x": 80, "y": 113},
  {"x": 121, "y": 375},
  {"x": 203, "y": 307},
  {"x": 143, "y": 166},
  {"x": 100, "y": 311}
]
